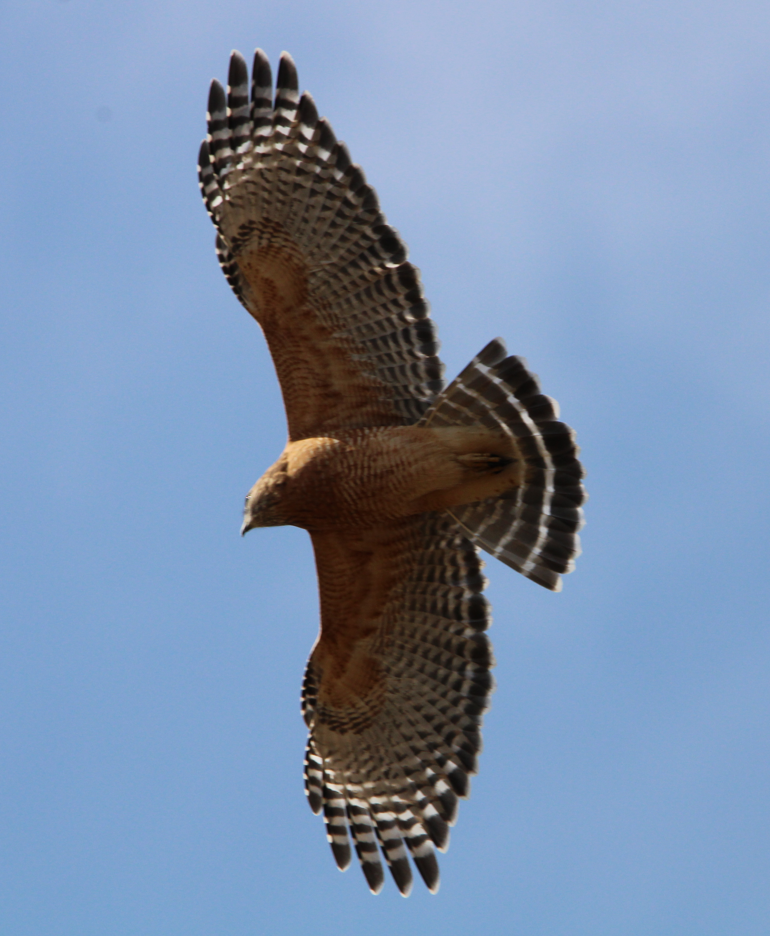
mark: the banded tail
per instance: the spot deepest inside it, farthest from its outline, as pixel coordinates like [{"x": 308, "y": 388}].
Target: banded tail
[{"x": 534, "y": 527}]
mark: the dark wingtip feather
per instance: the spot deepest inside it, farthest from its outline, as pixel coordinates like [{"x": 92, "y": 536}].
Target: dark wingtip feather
[
  {"x": 459, "y": 780},
  {"x": 438, "y": 829},
  {"x": 307, "y": 111},
  {"x": 428, "y": 868},
  {"x": 342, "y": 160},
  {"x": 261, "y": 94},
  {"x": 342, "y": 855},
  {"x": 238, "y": 73},
  {"x": 375, "y": 876},
  {"x": 261, "y": 73},
  {"x": 448, "y": 800},
  {"x": 287, "y": 74},
  {"x": 513, "y": 371},
  {"x": 326, "y": 137},
  {"x": 547, "y": 578},
  {"x": 217, "y": 99},
  {"x": 402, "y": 875},
  {"x": 218, "y": 129},
  {"x": 286, "y": 93}
]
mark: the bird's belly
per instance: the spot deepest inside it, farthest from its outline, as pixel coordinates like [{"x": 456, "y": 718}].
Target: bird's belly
[{"x": 360, "y": 477}]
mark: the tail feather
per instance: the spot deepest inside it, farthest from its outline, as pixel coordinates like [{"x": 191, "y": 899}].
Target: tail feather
[{"x": 534, "y": 527}]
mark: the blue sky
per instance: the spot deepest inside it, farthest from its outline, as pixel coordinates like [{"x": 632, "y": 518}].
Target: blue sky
[{"x": 588, "y": 180}]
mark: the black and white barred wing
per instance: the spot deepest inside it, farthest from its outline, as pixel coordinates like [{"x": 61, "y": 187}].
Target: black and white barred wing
[
  {"x": 304, "y": 245},
  {"x": 534, "y": 527},
  {"x": 395, "y": 713}
]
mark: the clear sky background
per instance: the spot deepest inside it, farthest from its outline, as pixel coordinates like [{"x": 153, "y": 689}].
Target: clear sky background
[{"x": 589, "y": 180}]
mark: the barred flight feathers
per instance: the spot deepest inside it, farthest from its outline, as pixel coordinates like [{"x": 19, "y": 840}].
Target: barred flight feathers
[
  {"x": 397, "y": 478},
  {"x": 398, "y": 754},
  {"x": 305, "y": 247}
]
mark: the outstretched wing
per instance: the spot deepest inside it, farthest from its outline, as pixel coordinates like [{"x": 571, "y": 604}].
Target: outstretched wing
[
  {"x": 305, "y": 247},
  {"x": 395, "y": 690}
]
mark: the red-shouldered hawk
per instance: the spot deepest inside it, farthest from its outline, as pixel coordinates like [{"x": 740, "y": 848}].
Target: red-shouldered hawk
[{"x": 397, "y": 478}]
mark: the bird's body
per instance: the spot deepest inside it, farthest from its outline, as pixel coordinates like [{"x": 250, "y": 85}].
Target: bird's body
[
  {"x": 396, "y": 477},
  {"x": 370, "y": 476}
]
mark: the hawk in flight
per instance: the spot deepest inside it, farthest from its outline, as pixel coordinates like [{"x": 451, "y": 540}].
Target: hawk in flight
[{"x": 398, "y": 478}]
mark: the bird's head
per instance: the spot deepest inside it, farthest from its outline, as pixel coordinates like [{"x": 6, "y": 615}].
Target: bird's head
[{"x": 265, "y": 501}]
